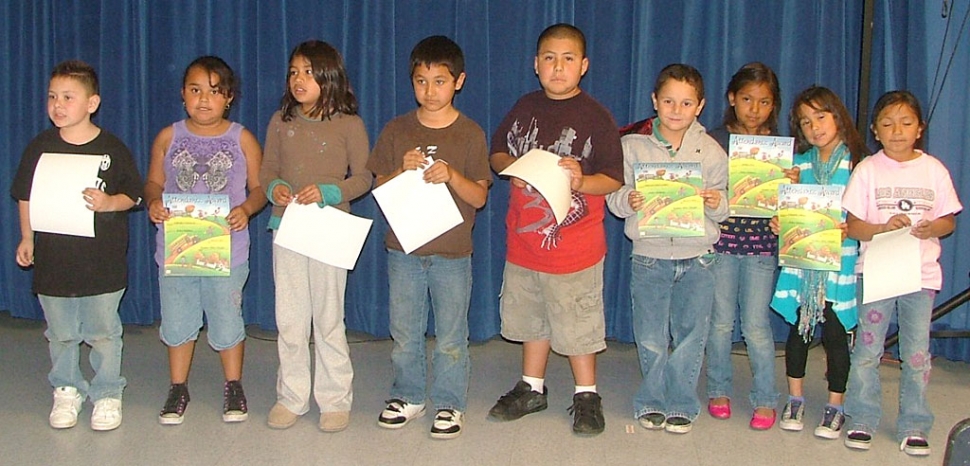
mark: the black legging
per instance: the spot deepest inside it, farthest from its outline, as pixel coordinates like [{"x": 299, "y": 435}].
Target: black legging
[{"x": 836, "y": 343}]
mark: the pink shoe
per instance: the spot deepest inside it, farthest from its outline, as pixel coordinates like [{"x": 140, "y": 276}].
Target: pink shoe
[
  {"x": 759, "y": 422},
  {"x": 720, "y": 411}
]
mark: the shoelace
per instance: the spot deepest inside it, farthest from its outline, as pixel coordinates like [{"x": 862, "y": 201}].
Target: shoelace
[
  {"x": 235, "y": 399},
  {"x": 178, "y": 397}
]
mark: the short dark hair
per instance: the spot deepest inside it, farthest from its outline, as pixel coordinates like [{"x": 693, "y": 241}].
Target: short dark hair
[
  {"x": 754, "y": 73},
  {"x": 228, "y": 83},
  {"x": 438, "y": 50},
  {"x": 824, "y": 100},
  {"x": 683, "y": 73},
  {"x": 80, "y": 72},
  {"x": 562, "y": 31},
  {"x": 336, "y": 94}
]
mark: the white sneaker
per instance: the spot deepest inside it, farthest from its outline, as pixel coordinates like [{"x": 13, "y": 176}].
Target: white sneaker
[
  {"x": 398, "y": 413},
  {"x": 447, "y": 424},
  {"x": 107, "y": 414},
  {"x": 67, "y": 403}
]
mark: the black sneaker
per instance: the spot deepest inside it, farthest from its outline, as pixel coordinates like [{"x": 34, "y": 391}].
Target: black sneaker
[
  {"x": 678, "y": 425},
  {"x": 234, "y": 402},
  {"x": 518, "y": 402},
  {"x": 858, "y": 440},
  {"x": 587, "y": 411},
  {"x": 174, "y": 410}
]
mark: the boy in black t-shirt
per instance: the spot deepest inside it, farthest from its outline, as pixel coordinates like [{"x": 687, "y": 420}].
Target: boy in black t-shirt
[{"x": 80, "y": 280}]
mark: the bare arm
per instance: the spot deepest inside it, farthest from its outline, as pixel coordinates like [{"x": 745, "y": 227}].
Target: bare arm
[
  {"x": 25, "y": 250},
  {"x": 155, "y": 182},
  {"x": 238, "y": 217}
]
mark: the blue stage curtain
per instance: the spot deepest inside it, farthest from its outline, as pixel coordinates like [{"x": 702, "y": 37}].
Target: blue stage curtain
[{"x": 141, "y": 49}]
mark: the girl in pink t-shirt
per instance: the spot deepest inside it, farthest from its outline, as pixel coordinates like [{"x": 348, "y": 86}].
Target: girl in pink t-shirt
[{"x": 898, "y": 187}]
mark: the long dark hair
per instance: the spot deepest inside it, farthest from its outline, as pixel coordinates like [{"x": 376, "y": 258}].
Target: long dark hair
[
  {"x": 824, "y": 100},
  {"x": 336, "y": 95},
  {"x": 753, "y": 73}
]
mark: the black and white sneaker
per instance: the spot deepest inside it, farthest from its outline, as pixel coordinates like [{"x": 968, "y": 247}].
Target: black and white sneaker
[
  {"x": 915, "y": 445},
  {"x": 447, "y": 424},
  {"x": 858, "y": 440},
  {"x": 234, "y": 402},
  {"x": 398, "y": 413},
  {"x": 174, "y": 410}
]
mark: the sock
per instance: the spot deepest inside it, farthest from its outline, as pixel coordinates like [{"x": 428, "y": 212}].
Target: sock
[
  {"x": 585, "y": 388},
  {"x": 800, "y": 399},
  {"x": 830, "y": 405},
  {"x": 537, "y": 383}
]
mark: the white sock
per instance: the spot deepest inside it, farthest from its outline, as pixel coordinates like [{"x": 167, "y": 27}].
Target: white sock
[
  {"x": 585, "y": 388},
  {"x": 536, "y": 383}
]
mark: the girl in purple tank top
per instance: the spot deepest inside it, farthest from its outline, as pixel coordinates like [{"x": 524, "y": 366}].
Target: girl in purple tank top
[{"x": 205, "y": 154}]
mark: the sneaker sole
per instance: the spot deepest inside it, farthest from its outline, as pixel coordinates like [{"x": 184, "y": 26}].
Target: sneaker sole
[
  {"x": 170, "y": 420},
  {"x": 106, "y": 427},
  {"x": 588, "y": 432},
  {"x": 916, "y": 451},
  {"x": 827, "y": 434},
  {"x": 391, "y": 424},
  {"x": 677, "y": 429},
  {"x": 791, "y": 426},
  {"x": 856, "y": 445},
  {"x": 234, "y": 417},
  {"x": 505, "y": 417},
  {"x": 445, "y": 435},
  {"x": 59, "y": 425}
]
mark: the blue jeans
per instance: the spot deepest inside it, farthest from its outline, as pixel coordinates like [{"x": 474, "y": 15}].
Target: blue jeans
[
  {"x": 185, "y": 299},
  {"x": 671, "y": 318},
  {"x": 93, "y": 320},
  {"x": 864, "y": 394},
  {"x": 448, "y": 282},
  {"x": 746, "y": 283}
]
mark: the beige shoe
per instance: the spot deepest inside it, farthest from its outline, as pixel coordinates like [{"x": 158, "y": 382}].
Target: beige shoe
[
  {"x": 281, "y": 418},
  {"x": 334, "y": 422}
]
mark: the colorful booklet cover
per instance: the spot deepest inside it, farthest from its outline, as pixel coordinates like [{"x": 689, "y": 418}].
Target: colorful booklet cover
[
  {"x": 756, "y": 165},
  {"x": 809, "y": 216},
  {"x": 197, "y": 235},
  {"x": 673, "y": 204}
]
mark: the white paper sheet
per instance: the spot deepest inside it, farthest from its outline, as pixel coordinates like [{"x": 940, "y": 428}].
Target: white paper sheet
[
  {"x": 56, "y": 202},
  {"x": 541, "y": 170},
  {"x": 328, "y": 235},
  {"x": 892, "y": 266},
  {"x": 418, "y": 212}
]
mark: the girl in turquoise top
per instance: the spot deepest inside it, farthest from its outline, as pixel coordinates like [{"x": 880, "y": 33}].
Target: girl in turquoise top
[{"x": 829, "y": 146}]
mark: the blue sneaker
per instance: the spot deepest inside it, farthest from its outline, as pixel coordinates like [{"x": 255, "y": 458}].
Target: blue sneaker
[{"x": 831, "y": 425}]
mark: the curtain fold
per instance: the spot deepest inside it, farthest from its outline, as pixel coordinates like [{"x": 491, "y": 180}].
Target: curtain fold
[{"x": 140, "y": 50}]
